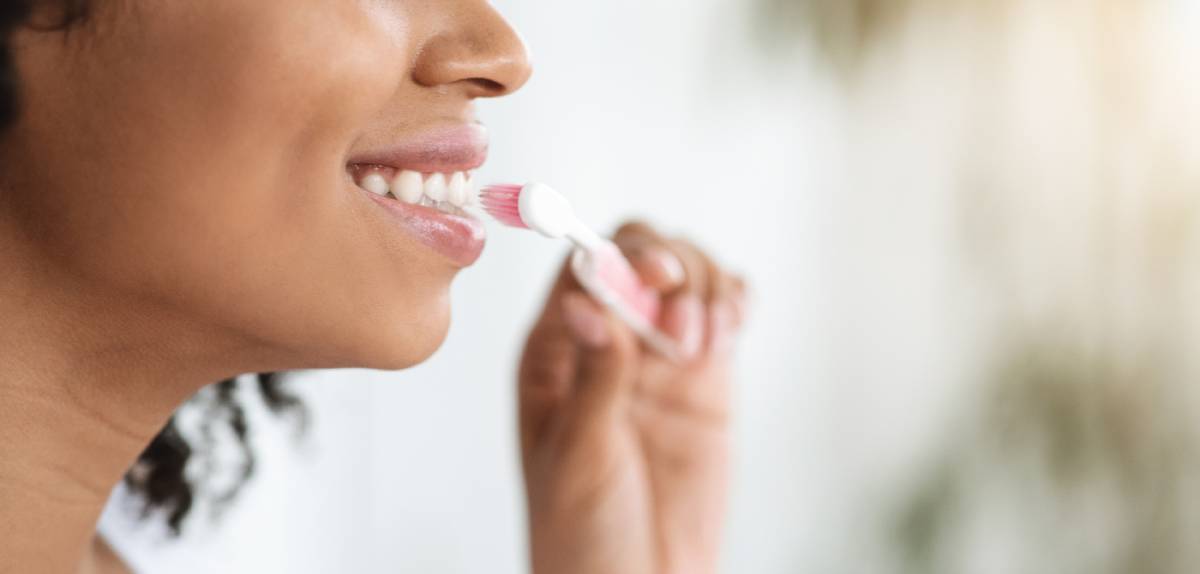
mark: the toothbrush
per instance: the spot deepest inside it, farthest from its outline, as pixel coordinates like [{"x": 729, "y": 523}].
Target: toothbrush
[{"x": 596, "y": 262}]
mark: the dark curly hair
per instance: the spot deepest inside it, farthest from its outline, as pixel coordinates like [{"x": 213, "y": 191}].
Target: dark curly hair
[{"x": 160, "y": 474}]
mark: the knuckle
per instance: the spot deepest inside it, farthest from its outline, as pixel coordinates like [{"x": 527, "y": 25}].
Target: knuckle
[
  {"x": 637, "y": 234},
  {"x": 727, "y": 286},
  {"x": 693, "y": 252},
  {"x": 693, "y": 259},
  {"x": 635, "y": 227}
]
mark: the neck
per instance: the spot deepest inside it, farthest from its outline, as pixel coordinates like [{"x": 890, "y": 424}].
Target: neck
[{"x": 86, "y": 381}]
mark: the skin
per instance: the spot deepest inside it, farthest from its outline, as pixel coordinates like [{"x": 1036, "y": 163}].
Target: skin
[
  {"x": 175, "y": 209},
  {"x": 625, "y": 452}
]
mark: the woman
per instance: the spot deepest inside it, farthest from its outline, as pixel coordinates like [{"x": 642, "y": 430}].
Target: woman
[{"x": 180, "y": 203}]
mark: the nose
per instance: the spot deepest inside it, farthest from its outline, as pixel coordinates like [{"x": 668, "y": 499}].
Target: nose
[{"x": 479, "y": 53}]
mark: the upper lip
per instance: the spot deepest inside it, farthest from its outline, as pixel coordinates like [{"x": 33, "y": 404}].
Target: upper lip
[{"x": 462, "y": 147}]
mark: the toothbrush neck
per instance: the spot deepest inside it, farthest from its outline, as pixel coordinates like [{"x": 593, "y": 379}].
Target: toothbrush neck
[{"x": 583, "y": 237}]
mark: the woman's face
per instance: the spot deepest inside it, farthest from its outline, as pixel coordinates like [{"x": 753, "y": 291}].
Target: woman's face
[{"x": 202, "y": 160}]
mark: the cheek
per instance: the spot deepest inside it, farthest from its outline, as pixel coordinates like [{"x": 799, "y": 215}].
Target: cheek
[
  {"x": 211, "y": 144},
  {"x": 227, "y": 113}
]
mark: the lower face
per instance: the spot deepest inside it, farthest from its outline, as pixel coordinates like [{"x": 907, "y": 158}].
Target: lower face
[{"x": 224, "y": 159}]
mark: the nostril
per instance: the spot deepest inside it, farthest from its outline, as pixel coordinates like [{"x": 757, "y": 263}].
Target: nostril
[{"x": 489, "y": 87}]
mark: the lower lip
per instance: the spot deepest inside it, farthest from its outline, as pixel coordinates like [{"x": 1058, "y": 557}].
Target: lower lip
[{"x": 458, "y": 238}]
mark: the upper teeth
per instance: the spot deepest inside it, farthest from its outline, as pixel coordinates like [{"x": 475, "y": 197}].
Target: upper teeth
[{"x": 434, "y": 190}]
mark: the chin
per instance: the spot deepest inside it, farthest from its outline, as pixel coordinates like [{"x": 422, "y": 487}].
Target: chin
[{"x": 407, "y": 340}]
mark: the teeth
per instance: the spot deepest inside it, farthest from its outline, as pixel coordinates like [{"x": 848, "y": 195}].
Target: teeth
[
  {"x": 376, "y": 184},
  {"x": 435, "y": 187},
  {"x": 472, "y": 193},
  {"x": 457, "y": 194},
  {"x": 408, "y": 187},
  {"x": 444, "y": 192}
]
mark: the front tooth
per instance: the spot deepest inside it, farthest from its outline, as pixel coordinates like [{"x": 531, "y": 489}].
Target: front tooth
[
  {"x": 435, "y": 187},
  {"x": 457, "y": 195},
  {"x": 408, "y": 186},
  {"x": 375, "y": 183},
  {"x": 472, "y": 192}
]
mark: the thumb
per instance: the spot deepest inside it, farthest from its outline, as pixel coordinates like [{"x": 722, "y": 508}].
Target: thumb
[{"x": 607, "y": 363}]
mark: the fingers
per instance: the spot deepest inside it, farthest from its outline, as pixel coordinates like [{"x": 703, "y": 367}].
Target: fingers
[
  {"x": 608, "y": 349},
  {"x": 650, "y": 254},
  {"x": 586, "y": 322},
  {"x": 606, "y": 368},
  {"x": 657, "y": 266},
  {"x": 576, "y": 341},
  {"x": 739, "y": 301},
  {"x": 723, "y": 324},
  {"x": 693, "y": 286},
  {"x": 683, "y": 320},
  {"x": 549, "y": 354},
  {"x": 548, "y": 363},
  {"x": 702, "y": 272}
]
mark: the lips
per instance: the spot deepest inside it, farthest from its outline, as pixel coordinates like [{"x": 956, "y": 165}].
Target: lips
[
  {"x": 446, "y": 150},
  {"x": 424, "y": 184}
]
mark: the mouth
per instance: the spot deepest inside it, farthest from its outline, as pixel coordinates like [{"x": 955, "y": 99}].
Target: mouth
[{"x": 426, "y": 185}]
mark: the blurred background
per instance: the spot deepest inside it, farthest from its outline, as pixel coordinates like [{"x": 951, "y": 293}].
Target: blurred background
[{"x": 970, "y": 229}]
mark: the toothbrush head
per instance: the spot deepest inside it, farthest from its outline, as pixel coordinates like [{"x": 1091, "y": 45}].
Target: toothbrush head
[
  {"x": 501, "y": 201},
  {"x": 533, "y": 206}
]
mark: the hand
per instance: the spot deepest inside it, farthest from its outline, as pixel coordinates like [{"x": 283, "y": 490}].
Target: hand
[{"x": 625, "y": 452}]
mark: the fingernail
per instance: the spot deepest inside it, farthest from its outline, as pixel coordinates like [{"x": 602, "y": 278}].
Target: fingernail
[
  {"x": 692, "y": 331},
  {"x": 667, "y": 264},
  {"x": 585, "y": 322}
]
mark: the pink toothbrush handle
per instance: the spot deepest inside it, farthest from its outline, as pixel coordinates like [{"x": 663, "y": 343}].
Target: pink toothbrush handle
[
  {"x": 616, "y": 272},
  {"x": 609, "y": 278}
]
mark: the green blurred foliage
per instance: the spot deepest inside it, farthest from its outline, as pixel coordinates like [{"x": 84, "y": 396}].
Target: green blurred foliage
[
  {"x": 1083, "y": 453},
  {"x": 1098, "y": 463},
  {"x": 843, "y": 31}
]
